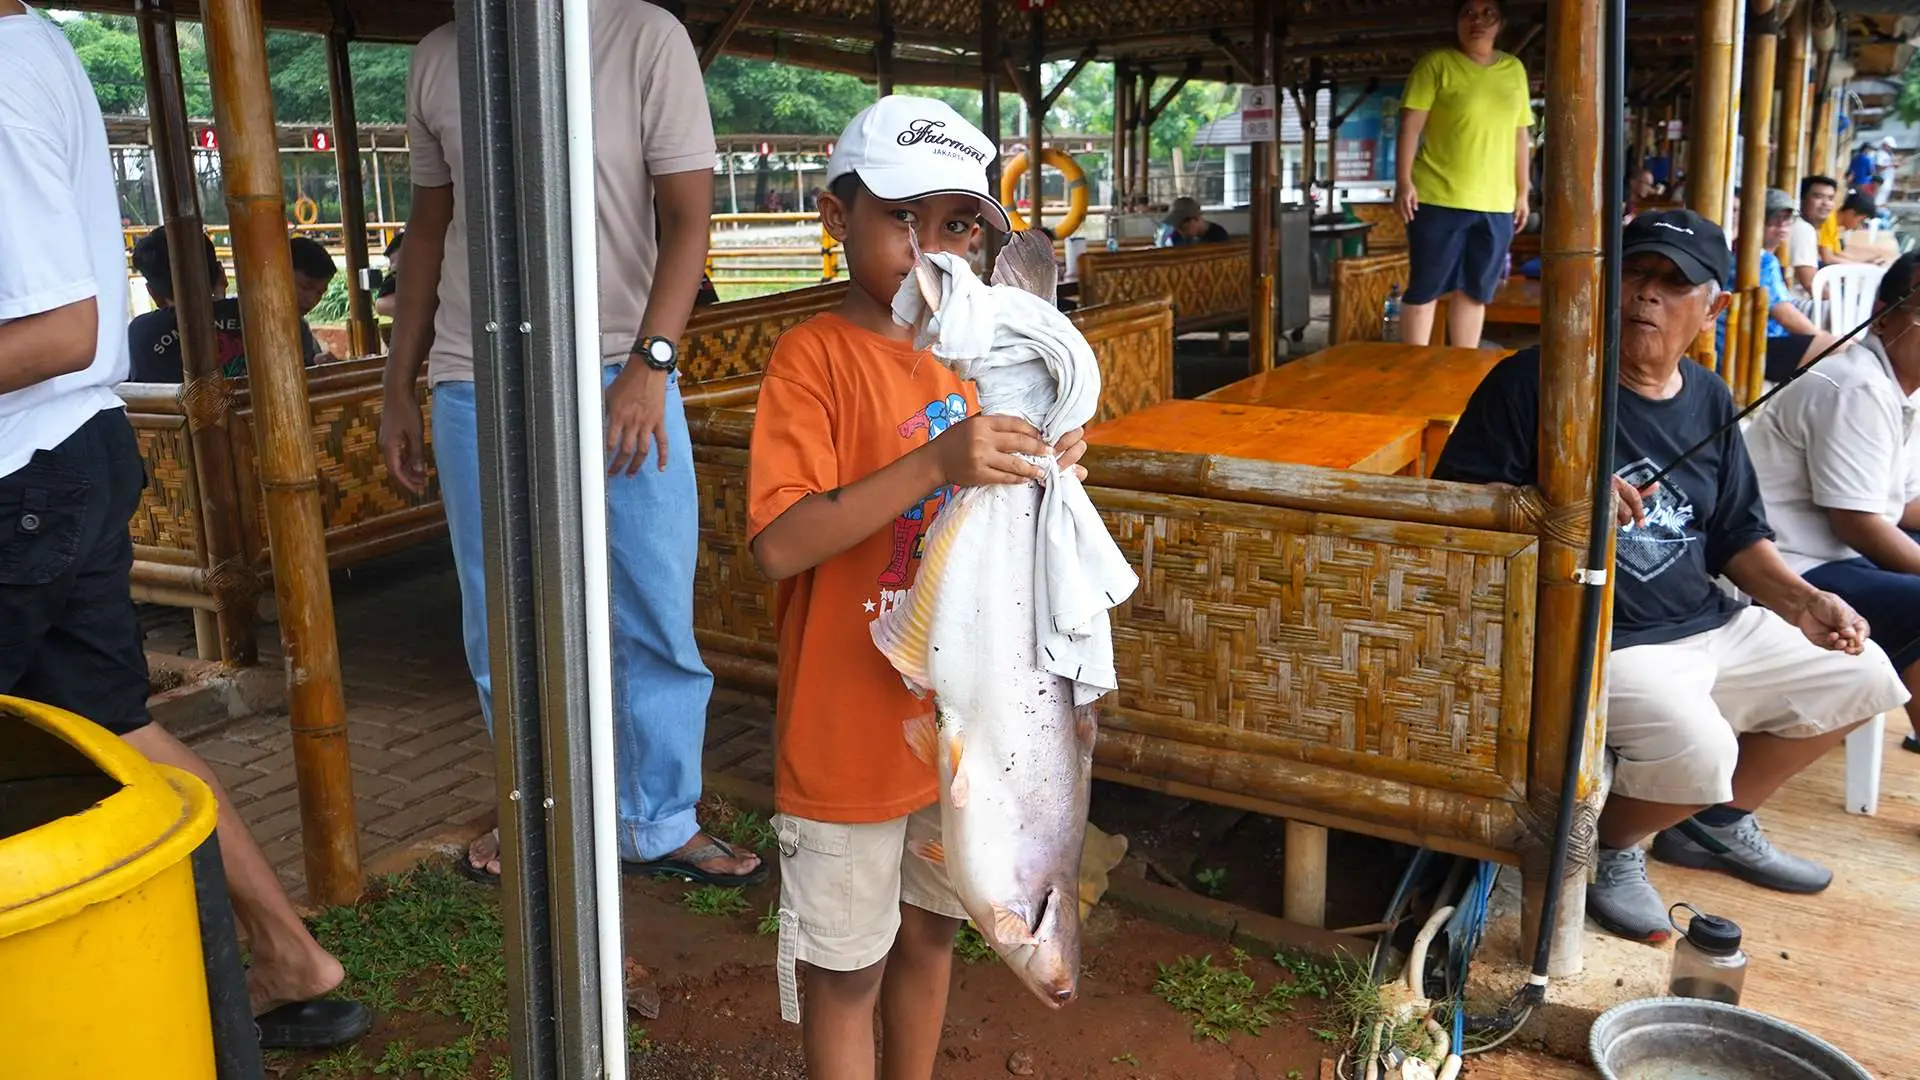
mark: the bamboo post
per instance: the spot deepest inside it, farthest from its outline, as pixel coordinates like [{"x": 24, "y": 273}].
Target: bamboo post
[
  {"x": 362, "y": 330},
  {"x": 1790, "y": 154},
  {"x": 1707, "y": 168},
  {"x": 1260, "y": 325},
  {"x": 205, "y": 395},
  {"x": 256, "y": 207},
  {"x": 883, "y": 49},
  {"x": 1304, "y": 889},
  {"x": 1754, "y": 372},
  {"x": 1569, "y": 391},
  {"x": 1756, "y": 157},
  {"x": 1142, "y": 137},
  {"x": 1822, "y": 36},
  {"x": 1034, "y": 95},
  {"x": 1117, "y": 154},
  {"x": 990, "y": 104}
]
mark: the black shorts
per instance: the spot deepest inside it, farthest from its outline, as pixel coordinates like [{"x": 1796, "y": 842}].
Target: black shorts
[{"x": 69, "y": 636}]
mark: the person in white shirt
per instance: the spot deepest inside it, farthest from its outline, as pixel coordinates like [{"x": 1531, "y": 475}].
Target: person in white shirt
[
  {"x": 1838, "y": 459},
  {"x": 1818, "y": 194},
  {"x": 70, "y": 479}
]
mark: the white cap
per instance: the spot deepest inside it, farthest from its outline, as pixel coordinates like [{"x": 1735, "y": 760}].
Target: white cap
[{"x": 905, "y": 148}]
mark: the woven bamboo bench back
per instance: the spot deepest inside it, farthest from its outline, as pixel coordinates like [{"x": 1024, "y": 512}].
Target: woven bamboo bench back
[{"x": 1210, "y": 285}]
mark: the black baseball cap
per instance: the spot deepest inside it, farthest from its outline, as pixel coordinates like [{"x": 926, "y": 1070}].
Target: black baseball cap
[{"x": 1694, "y": 244}]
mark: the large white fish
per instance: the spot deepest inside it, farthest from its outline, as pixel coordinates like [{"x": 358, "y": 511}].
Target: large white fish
[{"x": 997, "y": 628}]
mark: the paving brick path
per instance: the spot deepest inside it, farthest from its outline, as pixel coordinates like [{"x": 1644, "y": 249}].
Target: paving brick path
[{"x": 422, "y": 761}]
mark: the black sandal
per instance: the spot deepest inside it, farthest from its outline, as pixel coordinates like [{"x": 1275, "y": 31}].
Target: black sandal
[
  {"x": 1911, "y": 744},
  {"x": 479, "y": 874},
  {"x": 686, "y": 865},
  {"x": 319, "y": 1024}
]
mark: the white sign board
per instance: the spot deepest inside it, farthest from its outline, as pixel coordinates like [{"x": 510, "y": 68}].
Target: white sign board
[{"x": 1259, "y": 113}]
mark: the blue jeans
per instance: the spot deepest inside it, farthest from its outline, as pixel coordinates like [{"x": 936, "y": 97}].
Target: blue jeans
[{"x": 660, "y": 684}]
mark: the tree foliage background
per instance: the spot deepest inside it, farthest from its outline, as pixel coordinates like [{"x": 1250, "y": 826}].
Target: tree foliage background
[{"x": 747, "y": 96}]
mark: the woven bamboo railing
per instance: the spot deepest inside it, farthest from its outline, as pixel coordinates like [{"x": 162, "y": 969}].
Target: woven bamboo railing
[{"x": 1210, "y": 285}]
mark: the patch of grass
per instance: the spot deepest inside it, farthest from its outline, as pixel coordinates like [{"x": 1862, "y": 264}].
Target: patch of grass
[
  {"x": 426, "y": 941},
  {"x": 1213, "y": 879},
  {"x": 1312, "y": 976},
  {"x": 1359, "y": 1004},
  {"x": 970, "y": 946},
  {"x": 638, "y": 1044},
  {"x": 743, "y": 829},
  {"x": 770, "y": 922},
  {"x": 715, "y": 901},
  {"x": 1224, "y": 1001}
]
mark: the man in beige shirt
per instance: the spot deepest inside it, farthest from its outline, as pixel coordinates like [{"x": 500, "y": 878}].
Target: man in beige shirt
[{"x": 653, "y": 158}]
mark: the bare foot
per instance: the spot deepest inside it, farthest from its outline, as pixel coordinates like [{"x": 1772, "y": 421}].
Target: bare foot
[
  {"x": 734, "y": 865},
  {"x": 484, "y": 852},
  {"x": 271, "y": 984}
]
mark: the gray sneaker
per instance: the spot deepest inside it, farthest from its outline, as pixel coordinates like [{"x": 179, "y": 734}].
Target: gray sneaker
[
  {"x": 1622, "y": 900},
  {"x": 1743, "y": 850}
]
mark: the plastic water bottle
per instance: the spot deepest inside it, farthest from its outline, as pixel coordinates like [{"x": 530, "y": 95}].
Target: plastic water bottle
[
  {"x": 1707, "y": 962},
  {"x": 1390, "y": 316},
  {"x": 1113, "y": 233}
]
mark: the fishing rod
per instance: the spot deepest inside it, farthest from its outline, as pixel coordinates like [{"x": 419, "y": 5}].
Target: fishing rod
[{"x": 1783, "y": 384}]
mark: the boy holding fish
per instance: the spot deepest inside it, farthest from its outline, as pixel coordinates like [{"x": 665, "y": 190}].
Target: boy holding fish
[{"x": 858, "y": 441}]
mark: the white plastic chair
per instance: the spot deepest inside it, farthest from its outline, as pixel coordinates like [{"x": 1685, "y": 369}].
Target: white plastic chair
[{"x": 1843, "y": 295}]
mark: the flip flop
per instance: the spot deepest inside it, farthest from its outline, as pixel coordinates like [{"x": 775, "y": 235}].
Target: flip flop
[
  {"x": 313, "y": 1025},
  {"x": 478, "y": 874},
  {"x": 686, "y": 865}
]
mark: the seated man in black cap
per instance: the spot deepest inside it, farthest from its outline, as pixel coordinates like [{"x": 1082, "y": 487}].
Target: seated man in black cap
[{"x": 1712, "y": 703}]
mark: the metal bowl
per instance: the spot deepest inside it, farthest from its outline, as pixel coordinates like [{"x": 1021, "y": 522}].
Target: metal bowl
[{"x": 1671, "y": 1038}]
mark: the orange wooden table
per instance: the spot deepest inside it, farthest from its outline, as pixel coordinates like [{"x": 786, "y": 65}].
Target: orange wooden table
[
  {"x": 1377, "y": 378},
  {"x": 1516, "y": 302},
  {"x": 1372, "y": 444}
]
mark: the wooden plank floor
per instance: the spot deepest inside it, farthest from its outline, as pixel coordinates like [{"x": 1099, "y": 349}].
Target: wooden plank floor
[{"x": 1843, "y": 964}]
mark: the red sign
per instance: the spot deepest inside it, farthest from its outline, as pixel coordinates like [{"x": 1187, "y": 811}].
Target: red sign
[
  {"x": 320, "y": 139},
  {"x": 208, "y": 140},
  {"x": 1353, "y": 159},
  {"x": 830, "y": 149},
  {"x": 765, "y": 149}
]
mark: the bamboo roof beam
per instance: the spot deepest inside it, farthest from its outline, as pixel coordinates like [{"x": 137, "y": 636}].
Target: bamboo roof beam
[{"x": 717, "y": 41}]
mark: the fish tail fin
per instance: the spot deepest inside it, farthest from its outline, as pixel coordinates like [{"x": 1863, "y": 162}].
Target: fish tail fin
[
  {"x": 930, "y": 850},
  {"x": 904, "y": 634},
  {"x": 957, "y": 791},
  {"x": 923, "y": 739}
]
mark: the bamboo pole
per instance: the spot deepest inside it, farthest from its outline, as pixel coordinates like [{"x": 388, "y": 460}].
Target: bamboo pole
[
  {"x": 1823, "y": 37},
  {"x": 204, "y": 394},
  {"x": 362, "y": 331},
  {"x": 1756, "y": 158},
  {"x": 883, "y": 48},
  {"x": 1118, "y": 155},
  {"x": 1708, "y": 165},
  {"x": 1569, "y": 392},
  {"x": 1789, "y": 163},
  {"x": 1260, "y": 325},
  {"x": 1034, "y": 95},
  {"x": 990, "y": 105},
  {"x": 250, "y": 164}
]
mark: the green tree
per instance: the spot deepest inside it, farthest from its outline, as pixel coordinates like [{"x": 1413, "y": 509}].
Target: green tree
[{"x": 759, "y": 97}]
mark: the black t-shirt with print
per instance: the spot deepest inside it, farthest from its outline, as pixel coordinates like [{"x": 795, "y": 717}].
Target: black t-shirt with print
[
  {"x": 1704, "y": 512},
  {"x": 153, "y": 344}
]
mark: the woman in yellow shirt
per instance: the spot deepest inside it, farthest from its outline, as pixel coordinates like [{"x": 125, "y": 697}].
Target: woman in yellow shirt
[{"x": 1463, "y": 174}]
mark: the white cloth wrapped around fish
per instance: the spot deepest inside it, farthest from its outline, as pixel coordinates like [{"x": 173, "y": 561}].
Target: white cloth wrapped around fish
[{"x": 1007, "y": 624}]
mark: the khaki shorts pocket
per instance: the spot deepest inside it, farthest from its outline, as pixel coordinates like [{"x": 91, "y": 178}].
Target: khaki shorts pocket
[{"x": 816, "y": 874}]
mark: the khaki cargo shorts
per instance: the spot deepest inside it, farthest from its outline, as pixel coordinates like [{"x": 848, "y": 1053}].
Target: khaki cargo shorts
[
  {"x": 1676, "y": 711},
  {"x": 841, "y": 887}
]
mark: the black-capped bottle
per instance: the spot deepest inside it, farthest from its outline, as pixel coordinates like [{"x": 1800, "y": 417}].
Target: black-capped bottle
[{"x": 1707, "y": 961}]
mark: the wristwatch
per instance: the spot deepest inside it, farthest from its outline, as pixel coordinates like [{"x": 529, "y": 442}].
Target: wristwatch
[{"x": 658, "y": 353}]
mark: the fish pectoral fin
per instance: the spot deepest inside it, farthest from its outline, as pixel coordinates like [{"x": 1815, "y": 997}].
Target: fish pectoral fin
[
  {"x": 957, "y": 791},
  {"x": 1010, "y": 927},
  {"x": 923, "y": 739},
  {"x": 930, "y": 850}
]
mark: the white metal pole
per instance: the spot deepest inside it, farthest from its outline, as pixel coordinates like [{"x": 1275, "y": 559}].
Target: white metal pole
[{"x": 576, "y": 39}]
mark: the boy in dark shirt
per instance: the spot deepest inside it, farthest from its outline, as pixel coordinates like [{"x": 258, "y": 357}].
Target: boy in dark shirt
[
  {"x": 153, "y": 339},
  {"x": 1712, "y": 704}
]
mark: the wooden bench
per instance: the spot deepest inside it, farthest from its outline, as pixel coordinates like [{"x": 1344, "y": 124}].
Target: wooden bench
[
  {"x": 1210, "y": 285},
  {"x": 364, "y": 512},
  {"x": 735, "y": 338},
  {"x": 1384, "y": 445}
]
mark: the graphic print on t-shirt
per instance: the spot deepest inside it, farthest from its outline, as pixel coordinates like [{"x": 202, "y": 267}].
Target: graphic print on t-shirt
[
  {"x": 1646, "y": 551},
  {"x": 910, "y": 528}
]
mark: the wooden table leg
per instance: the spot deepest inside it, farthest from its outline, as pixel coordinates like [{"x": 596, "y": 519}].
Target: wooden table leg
[{"x": 1305, "y": 885}]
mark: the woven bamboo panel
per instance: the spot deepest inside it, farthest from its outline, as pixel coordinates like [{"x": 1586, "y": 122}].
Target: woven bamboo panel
[
  {"x": 958, "y": 25},
  {"x": 1360, "y": 288},
  {"x": 1209, "y": 284},
  {"x": 1134, "y": 344},
  {"x": 737, "y": 337},
  {"x": 1388, "y": 234},
  {"x": 732, "y": 600},
  {"x": 166, "y": 517},
  {"x": 1393, "y": 650},
  {"x": 362, "y": 509}
]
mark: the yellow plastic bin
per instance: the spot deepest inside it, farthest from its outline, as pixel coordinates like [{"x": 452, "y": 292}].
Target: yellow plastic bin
[{"x": 100, "y": 955}]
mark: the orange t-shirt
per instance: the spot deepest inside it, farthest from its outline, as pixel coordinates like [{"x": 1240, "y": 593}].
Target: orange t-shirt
[{"x": 838, "y": 404}]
